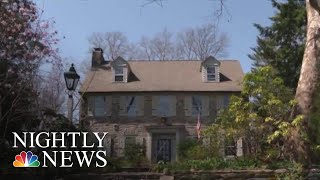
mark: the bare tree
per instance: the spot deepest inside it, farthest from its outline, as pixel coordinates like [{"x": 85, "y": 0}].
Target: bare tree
[
  {"x": 162, "y": 45},
  {"x": 201, "y": 42},
  {"x": 117, "y": 44},
  {"x": 134, "y": 52},
  {"x": 193, "y": 43},
  {"x": 96, "y": 40},
  {"x": 146, "y": 49},
  {"x": 114, "y": 44},
  {"x": 185, "y": 44},
  {"x": 51, "y": 89}
]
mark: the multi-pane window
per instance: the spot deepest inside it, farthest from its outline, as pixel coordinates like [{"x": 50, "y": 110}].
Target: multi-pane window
[
  {"x": 131, "y": 106},
  {"x": 211, "y": 73},
  {"x": 97, "y": 106},
  {"x": 118, "y": 74},
  {"x": 164, "y": 106},
  {"x": 129, "y": 141},
  {"x": 230, "y": 148},
  {"x": 196, "y": 105},
  {"x": 226, "y": 100}
]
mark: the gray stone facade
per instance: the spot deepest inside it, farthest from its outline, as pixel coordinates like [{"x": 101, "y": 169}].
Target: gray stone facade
[{"x": 147, "y": 128}]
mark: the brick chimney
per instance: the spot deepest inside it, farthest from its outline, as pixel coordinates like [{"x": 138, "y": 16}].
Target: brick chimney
[{"x": 97, "y": 57}]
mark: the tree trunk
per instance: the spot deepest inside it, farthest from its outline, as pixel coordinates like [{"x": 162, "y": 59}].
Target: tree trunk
[{"x": 307, "y": 82}]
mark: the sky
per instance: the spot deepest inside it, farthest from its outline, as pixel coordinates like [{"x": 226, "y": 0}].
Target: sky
[{"x": 76, "y": 20}]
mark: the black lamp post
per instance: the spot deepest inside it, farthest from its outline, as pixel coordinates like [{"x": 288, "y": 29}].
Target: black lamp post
[{"x": 72, "y": 78}]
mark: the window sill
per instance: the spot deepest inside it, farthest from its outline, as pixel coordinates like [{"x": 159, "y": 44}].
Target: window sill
[
  {"x": 230, "y": 156},
  {"x": 100, "y": 118},
  {"x": 119, "y": 82}
]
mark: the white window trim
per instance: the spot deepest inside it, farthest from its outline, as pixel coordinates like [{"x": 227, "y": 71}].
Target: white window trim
[
  {"x": 201, "y": 106},
  {"x": 119, "y": 74},
  {"x": 215, "y": 73}
]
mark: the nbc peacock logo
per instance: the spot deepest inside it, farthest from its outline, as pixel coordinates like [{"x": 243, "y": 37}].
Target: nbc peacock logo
[{"x": 26, "y": 160}]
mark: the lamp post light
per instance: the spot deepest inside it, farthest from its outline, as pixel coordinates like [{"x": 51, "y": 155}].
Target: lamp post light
[{"x": 72, "y": 78}]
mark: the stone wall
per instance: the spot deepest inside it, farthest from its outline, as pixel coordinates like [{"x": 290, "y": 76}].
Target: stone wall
[
  {"x": 120, "y": 127},
  {"x": 256, "y": 174},
  {"x": 215, "y": 103}
]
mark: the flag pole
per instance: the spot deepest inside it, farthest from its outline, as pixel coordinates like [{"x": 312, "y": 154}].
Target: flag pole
[{"x": 199, "y": 126}]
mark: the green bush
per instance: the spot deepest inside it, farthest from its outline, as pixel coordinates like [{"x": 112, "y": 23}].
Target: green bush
[
  {"x": 197, "y": 152},
  {"x": 191, "y": 149},
  {"x": 295, "y": 172},
  {"x": 134, "y": 154},
  {"x": 185, "y": 146},
  {"x": 209, "y": 164},
  {"x": 280, "y": 165}
]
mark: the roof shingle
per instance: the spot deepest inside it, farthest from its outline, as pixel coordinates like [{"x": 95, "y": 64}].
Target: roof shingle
[{"x": 165, "y": 76}]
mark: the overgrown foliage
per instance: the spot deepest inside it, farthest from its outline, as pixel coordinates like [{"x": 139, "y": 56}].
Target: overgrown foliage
[
  {"x": 209, "y": 164},
  {"x": 134, "y": 154},
  {"x": 314, "y": 131},
  {"x": 294, "y": 172},
  {"x": 261, "y": 115},
  {"x": 191, "y": 149},
  {"x": 282, "y": 46}
]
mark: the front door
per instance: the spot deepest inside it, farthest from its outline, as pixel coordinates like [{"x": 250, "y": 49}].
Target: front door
[
  {"x": 163, "y": 150},
  {"x": 163, "y": 147}
]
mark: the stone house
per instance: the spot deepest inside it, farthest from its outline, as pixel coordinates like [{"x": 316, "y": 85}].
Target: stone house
[{"x": 155, "y": 103}]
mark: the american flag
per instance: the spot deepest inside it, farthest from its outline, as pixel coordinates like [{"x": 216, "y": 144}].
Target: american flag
[{"x": 199, "y": 126}]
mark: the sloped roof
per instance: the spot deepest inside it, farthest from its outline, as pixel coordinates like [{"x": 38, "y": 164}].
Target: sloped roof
[{"x": 174, "y": 75}]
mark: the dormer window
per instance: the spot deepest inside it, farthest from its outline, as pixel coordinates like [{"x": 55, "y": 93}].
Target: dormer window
[
  {"x": 120, "y": 70},
  {"x": 210, "y": 69},
  {"x": 118, "y": 74},
  {"x": 211, "y": 73}
]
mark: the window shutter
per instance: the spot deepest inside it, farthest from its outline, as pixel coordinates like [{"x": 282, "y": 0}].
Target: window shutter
[
  {"x": 123, "y": 105},
  {"x": 108, "y": 107},
  {"x": 121, "y": 141},
  {"x": 90, "y": 105},
  {"x": 173, "y": 105},
  {"x": 140, "y": 105},
  {"x": 187, "y": 105},
  {"x": 205, "y": 106},
  {"x": 107, "y": 144},
  {"x": 239, "y": 147},
  {"x": 155, "y": 107},
  {"x": 99, "y": 106},
  {"x": 226, "y": 100},
  {"x": 220, "y": 102}
]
